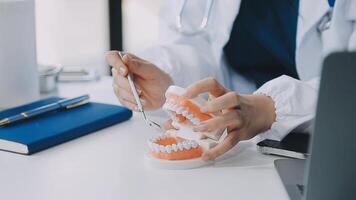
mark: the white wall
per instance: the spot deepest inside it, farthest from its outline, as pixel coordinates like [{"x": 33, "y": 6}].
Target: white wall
[
  {"x": 140, "y": 23},
  {"x": 72, "y": 32},
  {"x": 76, "y": 32}
]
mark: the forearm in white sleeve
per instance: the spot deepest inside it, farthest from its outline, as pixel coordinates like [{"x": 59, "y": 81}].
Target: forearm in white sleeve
[
  {"x": 351, "y": 16},
  {"x": 295, "y": 105},
  {"x": 185, "y": 63},
  {"x": 295, "y": 100},
  {"x": 352, "y": 40}
]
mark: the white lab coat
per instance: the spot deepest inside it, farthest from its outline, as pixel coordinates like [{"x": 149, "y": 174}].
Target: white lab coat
[{"x": 191, "y": 58}]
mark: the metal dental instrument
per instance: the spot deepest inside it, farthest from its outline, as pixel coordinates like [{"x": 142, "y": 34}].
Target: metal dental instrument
[{"x": 138, "y": 101}]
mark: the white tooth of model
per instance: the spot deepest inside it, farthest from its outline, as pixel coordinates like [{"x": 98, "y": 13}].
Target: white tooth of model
[
  {"x": 180, "y": 110},
  {"x": 194, "y": 144},
  {"x": 190, "y": 116},
  {"x": 150, "y": 145},
  {"x": 175, "y": 119},
  {"x": 164, "y": 107},
  {"x": 171, "y": 133},
  {"x": 162, "y": 148},
  {"x": 195, "y": 121},
  {"x": 175, "y": 124},
  {"x": 171, "y": 106},
  {"x": 168, "y": 112},
  {"x": 156, "y": 147},
  {"x": 167, "y": 107},
  {"x": 180, "y": 146},
  {"x": 185, "y": 113},
  {"x": 176, "y": 108},
  {"x": 174, "y": 147},
  {"x": 169, "y": 149},
  {"x": 186, "y": 145}
]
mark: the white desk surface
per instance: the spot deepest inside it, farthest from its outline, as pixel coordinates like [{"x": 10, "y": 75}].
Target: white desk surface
[{"x": 109, "y": 165}]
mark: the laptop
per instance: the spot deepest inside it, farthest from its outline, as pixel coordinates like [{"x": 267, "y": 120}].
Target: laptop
[{"x": 330, "y": 171}]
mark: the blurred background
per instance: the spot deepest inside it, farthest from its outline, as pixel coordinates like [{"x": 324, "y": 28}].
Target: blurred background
[{"x": 79, "y": 32}]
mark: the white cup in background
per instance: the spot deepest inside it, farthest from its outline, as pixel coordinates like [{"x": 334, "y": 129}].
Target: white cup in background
[{"x": 18, "y": 65}]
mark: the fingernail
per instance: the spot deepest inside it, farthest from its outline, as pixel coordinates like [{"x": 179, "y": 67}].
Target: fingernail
[
  {"x": 206, "y": 157},
  {"x": 114, "y": 71},
  {"x": 199, "y": 128},
  {"x": 125, "y": 58},
  {"x": 122, "y": 70},
  {"x": 139, "y": 91}
]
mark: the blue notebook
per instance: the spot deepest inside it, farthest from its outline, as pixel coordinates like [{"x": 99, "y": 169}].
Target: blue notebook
[{"x": 48, "y": 130}]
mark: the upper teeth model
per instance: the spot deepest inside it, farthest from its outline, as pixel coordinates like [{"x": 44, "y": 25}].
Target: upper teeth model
[{"x": 183, "y": 143}]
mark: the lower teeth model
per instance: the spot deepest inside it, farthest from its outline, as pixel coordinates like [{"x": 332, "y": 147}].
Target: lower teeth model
[
  {"x": 182, "y": 148},
  {"x": 169, "y": 147}
]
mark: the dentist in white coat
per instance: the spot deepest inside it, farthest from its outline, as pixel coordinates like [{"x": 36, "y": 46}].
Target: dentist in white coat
[{"x": 274, "y": 109}]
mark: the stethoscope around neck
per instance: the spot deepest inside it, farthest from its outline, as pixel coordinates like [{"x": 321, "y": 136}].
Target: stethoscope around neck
[
  {"x": 323, "y": 25},
  {"x": 204, "y": 22}
]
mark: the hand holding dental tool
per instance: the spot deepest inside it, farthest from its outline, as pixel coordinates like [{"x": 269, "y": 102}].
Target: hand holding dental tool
[
  {"x": 150, "y": 81},
  {"x": 64, "y": 104},
  {"x": 138, "y": 101}
]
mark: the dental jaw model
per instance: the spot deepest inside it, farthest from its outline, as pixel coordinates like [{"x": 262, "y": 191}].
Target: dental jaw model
[{"x": 182, "y": 148}]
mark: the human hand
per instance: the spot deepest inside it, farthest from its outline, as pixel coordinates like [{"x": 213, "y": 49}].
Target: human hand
[
  {"x": 244, "y": 116},
  {"x": 150, "y": 81}
]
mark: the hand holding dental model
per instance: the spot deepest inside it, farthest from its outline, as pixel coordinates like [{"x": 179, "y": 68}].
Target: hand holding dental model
[
  {"x": 199, "y": 124},
  {"x": 244, "y": 116}
]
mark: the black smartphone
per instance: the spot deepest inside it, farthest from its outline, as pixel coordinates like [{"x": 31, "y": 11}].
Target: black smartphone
[{"x": 294, "y": 145}]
